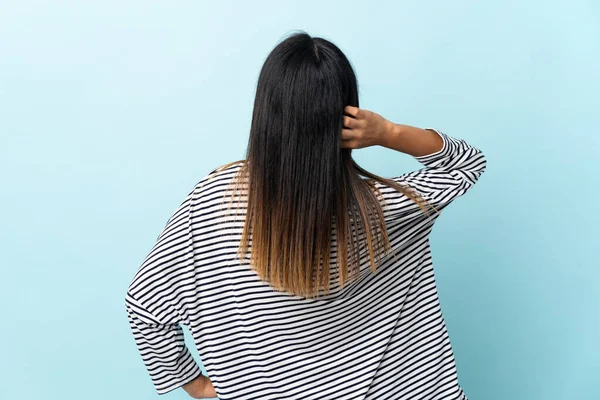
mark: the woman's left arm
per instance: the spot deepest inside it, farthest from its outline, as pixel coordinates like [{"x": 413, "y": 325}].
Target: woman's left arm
[
  {"x": 162, "y": 347},
  {"x": 155, "y": 313}
]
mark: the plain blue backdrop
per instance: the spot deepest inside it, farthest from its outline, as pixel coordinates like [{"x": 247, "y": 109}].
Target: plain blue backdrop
[{"x": 111, "y": 111}]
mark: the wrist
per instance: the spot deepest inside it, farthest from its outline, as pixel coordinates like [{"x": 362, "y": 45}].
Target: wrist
[{"x": 391, "y": 130}]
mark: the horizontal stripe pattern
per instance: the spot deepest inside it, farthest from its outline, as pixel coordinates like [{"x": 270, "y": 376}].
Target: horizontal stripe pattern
[{"x": 381, "y": 337}]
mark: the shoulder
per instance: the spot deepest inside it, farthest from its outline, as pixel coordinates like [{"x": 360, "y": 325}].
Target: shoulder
[{"x": 218, "y": 176}]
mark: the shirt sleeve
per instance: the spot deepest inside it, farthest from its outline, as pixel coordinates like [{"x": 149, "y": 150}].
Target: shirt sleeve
[
  {"x": 152, "y": 310},
  {"x": 446, "y": 175}
]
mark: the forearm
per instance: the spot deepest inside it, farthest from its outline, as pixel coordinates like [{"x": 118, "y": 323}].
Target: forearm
[
  {"x": 200, "y": 388},
  {"x": 411, "y": 140}
]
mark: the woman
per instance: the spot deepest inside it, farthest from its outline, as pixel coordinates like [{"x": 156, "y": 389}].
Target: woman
[{"x": 299, "y": 274}]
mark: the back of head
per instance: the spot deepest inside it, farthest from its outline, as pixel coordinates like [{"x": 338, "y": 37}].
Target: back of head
[
  {"x": 302, "y": 89},
  {"x": 300, "y": 180}
]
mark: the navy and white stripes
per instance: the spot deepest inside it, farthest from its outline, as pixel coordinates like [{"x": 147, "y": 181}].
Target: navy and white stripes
[{"x": 381, "y": 337}]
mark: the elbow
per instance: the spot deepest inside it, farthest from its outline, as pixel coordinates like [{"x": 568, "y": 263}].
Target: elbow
[
  {"x": 479, "y": 167},
  {"x": 477, "y": 163},
  {"x": 128, "y": 300},
  {"x": 481, "y": 162},
  {"x": 476, "y": 167}
]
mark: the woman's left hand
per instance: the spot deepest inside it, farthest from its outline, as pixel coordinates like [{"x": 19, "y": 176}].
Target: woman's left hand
[{"x": 201, "y": 388}]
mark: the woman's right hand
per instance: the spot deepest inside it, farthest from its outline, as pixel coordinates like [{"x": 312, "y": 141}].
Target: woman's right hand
[{"x": 363, "y": 128}]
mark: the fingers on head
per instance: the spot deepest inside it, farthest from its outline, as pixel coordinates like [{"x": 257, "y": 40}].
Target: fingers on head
[
  {"x": 349, "y": 122},
  {"x": 351, "y": 110},
  {"x": 347, "y": 134}
]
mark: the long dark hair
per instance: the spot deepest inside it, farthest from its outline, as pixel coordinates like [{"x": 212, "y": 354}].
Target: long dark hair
[{"x": 299, "y": 180}]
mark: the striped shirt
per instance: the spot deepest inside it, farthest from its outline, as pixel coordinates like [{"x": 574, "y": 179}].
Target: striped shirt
[{"x": 381, "y": 337}]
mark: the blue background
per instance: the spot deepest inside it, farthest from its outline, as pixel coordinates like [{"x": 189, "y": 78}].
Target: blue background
[{"x": 111, "y": 111}]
